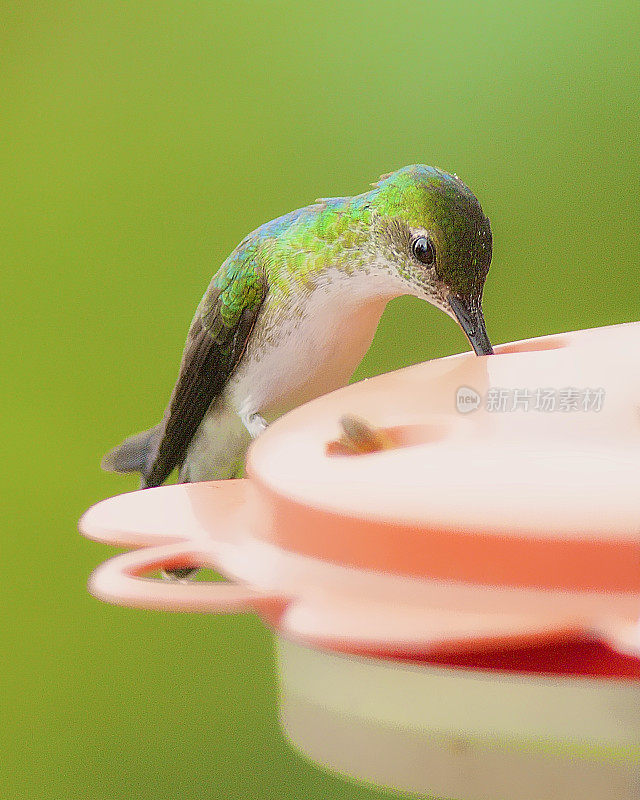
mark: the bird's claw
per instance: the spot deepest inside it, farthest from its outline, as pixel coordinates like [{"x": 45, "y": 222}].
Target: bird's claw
[
  {"x": 255, "y": 424},
  {"x": 180, "y": 575}
]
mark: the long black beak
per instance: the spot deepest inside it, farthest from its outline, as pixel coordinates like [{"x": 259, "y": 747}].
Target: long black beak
[{"x": 469, "y": 315}]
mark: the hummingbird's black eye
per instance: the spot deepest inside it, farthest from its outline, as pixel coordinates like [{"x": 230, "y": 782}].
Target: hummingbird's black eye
[{"x": 424, "y": 251}]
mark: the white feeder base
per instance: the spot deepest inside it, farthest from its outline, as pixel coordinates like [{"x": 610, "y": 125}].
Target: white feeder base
[{"x": 462, "y": 734}]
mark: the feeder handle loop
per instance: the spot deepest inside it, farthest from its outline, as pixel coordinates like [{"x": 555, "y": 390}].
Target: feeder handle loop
[{"x": 119, "y": 581}]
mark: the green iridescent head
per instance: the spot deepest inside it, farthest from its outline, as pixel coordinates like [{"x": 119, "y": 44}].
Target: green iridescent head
[{"x": 430, "y": 229}]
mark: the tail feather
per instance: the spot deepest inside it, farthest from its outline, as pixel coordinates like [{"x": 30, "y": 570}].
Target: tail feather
[{"x": 133, "y": 454}]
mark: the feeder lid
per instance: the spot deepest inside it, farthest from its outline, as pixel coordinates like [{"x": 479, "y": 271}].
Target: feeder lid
[{"x": 519, "y": 468}]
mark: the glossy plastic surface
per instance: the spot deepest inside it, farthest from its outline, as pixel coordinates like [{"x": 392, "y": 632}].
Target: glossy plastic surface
[{"x": 480, "y": 530}]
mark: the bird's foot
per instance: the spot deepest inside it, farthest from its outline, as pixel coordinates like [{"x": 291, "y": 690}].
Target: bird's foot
[
  {"x": 180, "y": 575},
  {"x": 254, "y": 423}
]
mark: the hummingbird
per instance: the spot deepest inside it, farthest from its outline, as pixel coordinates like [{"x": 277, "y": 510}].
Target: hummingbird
[{"x": 293, "y": 309}]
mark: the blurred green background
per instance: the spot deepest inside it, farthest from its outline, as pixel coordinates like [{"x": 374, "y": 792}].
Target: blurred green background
[{"x": 140, "y": 142}]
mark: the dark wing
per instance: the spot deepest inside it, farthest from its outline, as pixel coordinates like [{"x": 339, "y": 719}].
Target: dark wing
[{"x": 215, "y": 344}]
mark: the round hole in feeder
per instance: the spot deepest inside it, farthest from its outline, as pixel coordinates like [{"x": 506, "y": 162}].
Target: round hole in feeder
[
  {"x": 388, "y": 438},
  {"x": 532, "y": 346}
]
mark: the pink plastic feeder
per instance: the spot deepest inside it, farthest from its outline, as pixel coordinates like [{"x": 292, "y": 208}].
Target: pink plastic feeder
[{"x": 457, "y": 613}]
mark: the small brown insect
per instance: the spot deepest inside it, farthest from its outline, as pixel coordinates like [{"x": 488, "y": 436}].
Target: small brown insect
[{"x": 359, "y": 438}]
